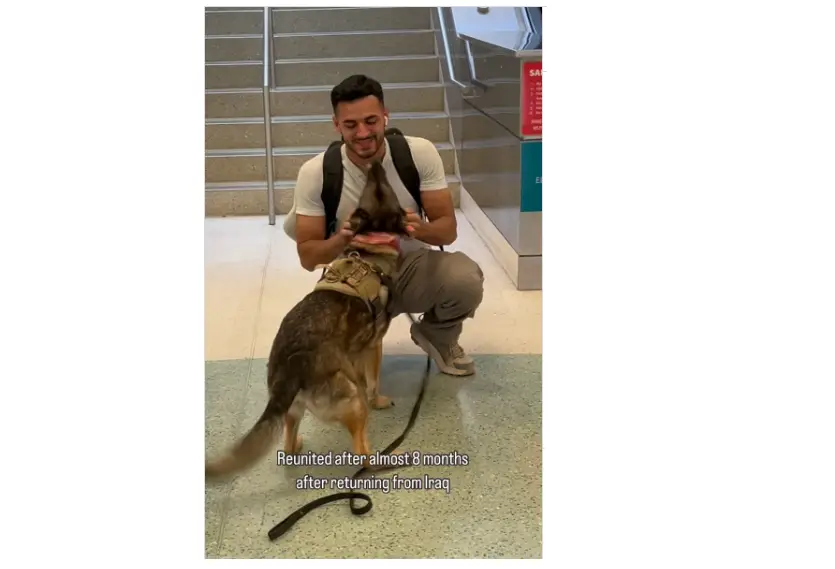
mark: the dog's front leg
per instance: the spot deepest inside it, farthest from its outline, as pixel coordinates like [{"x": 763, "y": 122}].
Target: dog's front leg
[{"x": 355, "y": 418}]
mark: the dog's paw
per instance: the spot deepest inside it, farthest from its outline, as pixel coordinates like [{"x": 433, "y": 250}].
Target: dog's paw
[
  {"x": 382, "y": 402},
  {"x": 297, "y": 448},
  {"x": 365, "y": 462}
]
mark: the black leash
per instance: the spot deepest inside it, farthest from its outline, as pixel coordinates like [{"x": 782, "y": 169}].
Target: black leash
[{"x": 284, "y": 526}]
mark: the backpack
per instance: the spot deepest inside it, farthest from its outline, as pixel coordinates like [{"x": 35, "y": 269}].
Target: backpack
[{"x": 332, "y": 175}]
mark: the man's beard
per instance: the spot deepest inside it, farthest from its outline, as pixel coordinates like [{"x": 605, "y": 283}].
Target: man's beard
[{"x": 367, "y": 146}]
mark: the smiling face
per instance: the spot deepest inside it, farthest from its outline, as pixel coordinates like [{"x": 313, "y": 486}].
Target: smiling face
[{"x": 362, "y": 124}]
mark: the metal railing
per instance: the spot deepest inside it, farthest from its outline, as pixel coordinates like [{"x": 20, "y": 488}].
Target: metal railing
[
  {"x": 269, "y": 62},
  {"x": 471, "y": 61},
  {"x": 468, "y": 90},
  {"x": 450, "y": 65}
]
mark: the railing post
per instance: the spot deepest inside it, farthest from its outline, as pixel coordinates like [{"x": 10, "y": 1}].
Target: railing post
[
  {"x": 467, "y": 91},
  {"x": 268, "y": 115}
]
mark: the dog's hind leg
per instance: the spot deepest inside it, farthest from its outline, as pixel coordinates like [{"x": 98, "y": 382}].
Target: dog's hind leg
[
  {"x": 354, "y": 416},
  {"x": 373, "y": 361},
  {"x": 292, "y": 420}
]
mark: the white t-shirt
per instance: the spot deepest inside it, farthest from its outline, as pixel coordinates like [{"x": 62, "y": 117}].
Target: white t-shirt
[{"x": 307, "y": 198}]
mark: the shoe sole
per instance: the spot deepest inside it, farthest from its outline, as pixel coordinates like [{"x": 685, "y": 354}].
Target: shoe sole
[{"x": 427, "y": 347}]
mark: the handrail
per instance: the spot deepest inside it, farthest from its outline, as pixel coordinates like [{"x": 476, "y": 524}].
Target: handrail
[
  {"x": 468, "y": 89},
  {"x": 471, "y": 61},
  {"x": 268, "y": 115}
]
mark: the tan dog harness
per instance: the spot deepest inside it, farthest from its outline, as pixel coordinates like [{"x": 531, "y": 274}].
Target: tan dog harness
[{"x": 354, "y": 276}]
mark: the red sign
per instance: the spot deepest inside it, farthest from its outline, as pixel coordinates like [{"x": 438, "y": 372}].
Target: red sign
[{"x": 532, "y": 98}]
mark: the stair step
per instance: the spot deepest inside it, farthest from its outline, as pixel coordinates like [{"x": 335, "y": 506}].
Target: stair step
[
  {"x": 326, "y": 87},
  {"x": 317, "y": 118},
  {"x": 245, "y": 74},
  {"x": 312, "y": 130},
  {"x": 478, "y": 126},
  {"x": 500, "y": 94},
  {"x": 233, "y": 9},
  {"x": 287, "y": 161},
  {"x": 433, "y": 127},
  {"x": 315, "y": 100},
  {"x": 314, "y": 20},
  {"x": 287, "y": 150},
  {"x": 236, "y": 103},
  {"x": 278, "y": 184},
  {"x": 252, "y": 199},
  {"x": 402, "y": 97},
  {"x": 232, "y": 167},
  {"x": 330, "y": 71},
  {"x": 244, "y": 47},
  {"x": 250, "y": 47},
  {"x": 234, "y": 22},
  {"x": 329, "y": 118},
  {"x": 491, "y": 159},
  {"x": 237, "y": 134},
  {"x": 248, "y": 165},
  {"x": 360, "y": 44},
  {"x": 234, "y": 74}
]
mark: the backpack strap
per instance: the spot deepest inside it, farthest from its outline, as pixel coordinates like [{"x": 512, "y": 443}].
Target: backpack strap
[
  {"x": 401, "y": 156},
  {"x": 331, "y": 184}
]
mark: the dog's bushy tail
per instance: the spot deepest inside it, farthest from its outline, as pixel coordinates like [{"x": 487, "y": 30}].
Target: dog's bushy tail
[{"x": 264, "y": 434}]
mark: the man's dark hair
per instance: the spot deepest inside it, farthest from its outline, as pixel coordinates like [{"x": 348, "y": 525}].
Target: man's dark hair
[{"x": 356, "y": 87}]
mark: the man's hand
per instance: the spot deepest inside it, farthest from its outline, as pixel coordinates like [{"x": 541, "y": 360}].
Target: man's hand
[
  {"x": 313, "y": 249},
  {"x": 440, "y": 231},
  {"x": 414, "y": 225},
  {"x": 345, "y": 234}
]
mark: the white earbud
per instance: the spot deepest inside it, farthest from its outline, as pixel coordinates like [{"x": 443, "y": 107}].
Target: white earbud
[{"x": 386, "y": 119}]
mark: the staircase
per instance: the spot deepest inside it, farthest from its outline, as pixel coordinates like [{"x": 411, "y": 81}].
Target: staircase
[{"x": 314, "y": 48}]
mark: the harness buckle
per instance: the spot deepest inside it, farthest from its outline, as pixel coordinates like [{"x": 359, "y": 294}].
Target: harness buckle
[{"x": 356, "y": 271}]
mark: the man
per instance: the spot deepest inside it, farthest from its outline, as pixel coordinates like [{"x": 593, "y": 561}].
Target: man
[{"x": 445, "y": 287}]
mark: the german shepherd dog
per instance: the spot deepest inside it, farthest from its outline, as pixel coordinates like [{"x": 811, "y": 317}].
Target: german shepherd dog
[{"x": 326, "y": 355}]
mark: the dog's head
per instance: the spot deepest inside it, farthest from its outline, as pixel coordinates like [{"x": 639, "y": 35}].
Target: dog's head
[{"x": 378, "y": 211}]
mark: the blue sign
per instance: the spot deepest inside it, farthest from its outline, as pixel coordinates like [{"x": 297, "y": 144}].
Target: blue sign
[{"x": 531, "y": 161}]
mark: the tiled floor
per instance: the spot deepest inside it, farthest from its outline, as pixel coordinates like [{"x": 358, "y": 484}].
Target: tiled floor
[{"x": 494, "y": 418}]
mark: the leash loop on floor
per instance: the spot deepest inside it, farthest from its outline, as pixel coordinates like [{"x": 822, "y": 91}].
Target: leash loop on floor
[{"x": 284, "y": 525}]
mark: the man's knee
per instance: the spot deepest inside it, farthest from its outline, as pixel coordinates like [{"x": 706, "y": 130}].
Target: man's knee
[{"x": 463, "y": 281}]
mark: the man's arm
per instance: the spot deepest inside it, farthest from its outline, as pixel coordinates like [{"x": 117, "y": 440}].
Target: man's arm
[
  {"x": 311, "y": 244},
  {"x": 442, "y": 227},
  {"x": 312, "y": 247}
]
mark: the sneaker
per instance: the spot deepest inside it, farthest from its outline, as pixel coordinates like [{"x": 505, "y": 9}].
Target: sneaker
[{"x": 450, "y": 359}]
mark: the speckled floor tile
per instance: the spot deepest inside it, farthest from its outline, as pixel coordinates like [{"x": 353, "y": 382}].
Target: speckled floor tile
[{"x": 494, "y": 505}]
